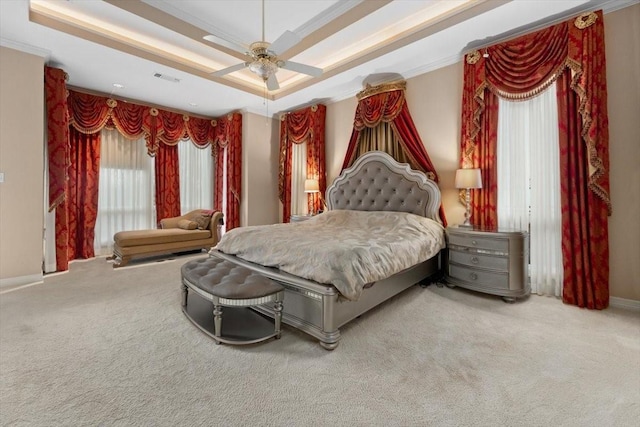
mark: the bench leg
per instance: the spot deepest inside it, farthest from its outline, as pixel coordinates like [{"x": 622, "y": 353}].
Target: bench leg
[
  {"x": 277, "y": 317},
  {"x": 185, "y": 294},
  {"x": 217, "y": 321}
]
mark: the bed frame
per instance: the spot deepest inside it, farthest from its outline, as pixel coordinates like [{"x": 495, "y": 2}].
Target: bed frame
[{"x": 375, "y": 182}]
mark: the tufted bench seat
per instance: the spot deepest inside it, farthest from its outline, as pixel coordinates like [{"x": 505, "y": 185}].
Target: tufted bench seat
[{"x": 228, "y": 285}]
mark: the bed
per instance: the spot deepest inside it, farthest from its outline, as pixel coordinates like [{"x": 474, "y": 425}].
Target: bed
[{"x": 374, "y": 190}]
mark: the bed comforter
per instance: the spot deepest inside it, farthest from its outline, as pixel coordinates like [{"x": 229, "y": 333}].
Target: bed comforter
[{"x": 348, "y": 249}]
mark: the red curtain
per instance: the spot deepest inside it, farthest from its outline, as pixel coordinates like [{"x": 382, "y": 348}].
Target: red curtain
[
  {"x": 573, "y": 53},
  {"x": 228, "y": 136},
  {"x": 82, "y": 201},
  {"x": 307, "y": 124},
  {"x": 387, "y": 103},
  {"x": 167, "y": 182},
  {"x": 58, "y": 157}
]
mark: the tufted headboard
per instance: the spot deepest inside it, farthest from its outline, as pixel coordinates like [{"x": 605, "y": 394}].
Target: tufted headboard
[{"x": 377, "y": 182}]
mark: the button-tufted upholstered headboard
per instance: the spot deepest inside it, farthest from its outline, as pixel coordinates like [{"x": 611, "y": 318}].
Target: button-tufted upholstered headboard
[{"x": 377, "y": 182}]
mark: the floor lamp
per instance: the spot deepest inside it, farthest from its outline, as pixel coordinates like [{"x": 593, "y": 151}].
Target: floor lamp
[{"x": 466, "y": 179}]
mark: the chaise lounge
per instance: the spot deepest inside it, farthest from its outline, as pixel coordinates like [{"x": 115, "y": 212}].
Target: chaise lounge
[{"x": 198, "y": 229}]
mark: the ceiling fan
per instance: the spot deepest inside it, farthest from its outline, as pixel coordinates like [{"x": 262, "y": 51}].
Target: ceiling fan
[{"x": 263, "y": 57}]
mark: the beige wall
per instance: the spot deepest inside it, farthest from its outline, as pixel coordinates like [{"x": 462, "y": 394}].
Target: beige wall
[
  {"x": 622, "y": 43},
  {"x": 434, "y": 101},
  {"x": 260, "y": 173},
  {"x": 21, "y": 161}
]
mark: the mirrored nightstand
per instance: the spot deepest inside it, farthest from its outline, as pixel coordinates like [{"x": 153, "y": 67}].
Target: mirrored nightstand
[{"x": 491, "y": 261}]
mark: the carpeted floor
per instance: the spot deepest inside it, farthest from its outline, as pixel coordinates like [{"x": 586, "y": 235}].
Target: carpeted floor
[{"x": 107, "y": 347}]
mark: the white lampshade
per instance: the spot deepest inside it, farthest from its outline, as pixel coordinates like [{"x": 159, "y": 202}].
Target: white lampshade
[
  {"x": 468, "y": 178},
  {"x": 311, "y": 186}
]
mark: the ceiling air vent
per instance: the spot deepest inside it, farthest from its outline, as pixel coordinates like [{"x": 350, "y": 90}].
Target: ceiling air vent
[{"x": 166, "y": 77}]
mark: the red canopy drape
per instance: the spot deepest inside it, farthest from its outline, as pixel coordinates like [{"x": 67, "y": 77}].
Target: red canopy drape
[
  {"x": 387, "y": 103},
  {"x": 571, "y": 52},
  {"x": 307, "y": 124}
]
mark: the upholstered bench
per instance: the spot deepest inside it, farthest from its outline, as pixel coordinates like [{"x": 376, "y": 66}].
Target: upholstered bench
[{"x": 228, "y": 285}]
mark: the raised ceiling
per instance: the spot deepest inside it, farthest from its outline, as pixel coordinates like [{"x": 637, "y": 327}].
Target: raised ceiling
[{"x": 131, "y": 42}]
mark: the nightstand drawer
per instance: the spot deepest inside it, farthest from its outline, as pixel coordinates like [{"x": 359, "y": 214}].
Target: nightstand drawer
[
  {"x": 479, "y": 277},
  {"x": 476, "y": 260},
  {"x": 478, "y": 242}
]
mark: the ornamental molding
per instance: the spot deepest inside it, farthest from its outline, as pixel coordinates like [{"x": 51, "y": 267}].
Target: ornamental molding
[
  {"x": 585, "y": 20},
  {"x": 381, "y": 88},
  {"x": 473, "y": 57}
]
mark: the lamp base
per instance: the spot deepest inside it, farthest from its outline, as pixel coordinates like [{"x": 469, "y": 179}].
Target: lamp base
[{"x": 467, "y": 213}]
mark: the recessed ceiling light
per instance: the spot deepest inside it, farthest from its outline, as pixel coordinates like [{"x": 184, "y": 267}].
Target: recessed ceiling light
[
  {"x": 193, "y": 104},
  {"x": 118, "y": 86}
]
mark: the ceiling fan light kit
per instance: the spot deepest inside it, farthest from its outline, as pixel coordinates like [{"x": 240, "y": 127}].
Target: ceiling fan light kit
[{"x": 263, "y": 58}]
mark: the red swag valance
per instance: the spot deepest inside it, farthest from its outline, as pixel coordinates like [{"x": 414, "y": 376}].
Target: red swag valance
[
  {"x": 524, "y": 67},
  {"x": 90, "y": 113}
]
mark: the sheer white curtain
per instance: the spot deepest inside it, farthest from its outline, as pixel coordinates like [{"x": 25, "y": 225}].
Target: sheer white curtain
[
  {"x": 126, "y": 193},
  {"x": 529, "y": 184},
  {"x": 196, "y": 177},
  {"x": 299, "y": 205}
]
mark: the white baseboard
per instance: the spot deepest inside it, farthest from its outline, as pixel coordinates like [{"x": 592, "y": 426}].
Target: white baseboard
[
  {"x": 21, "y": 280},
  {"x": 627, "y": 304}
]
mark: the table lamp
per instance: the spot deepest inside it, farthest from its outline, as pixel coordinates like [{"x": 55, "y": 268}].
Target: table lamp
[
  {"x": 467, "y": 179},
  {"x": 312, "y": 186}
]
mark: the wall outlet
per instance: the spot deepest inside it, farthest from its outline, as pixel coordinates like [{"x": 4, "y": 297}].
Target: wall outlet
[{"x": 1, "y": 176}]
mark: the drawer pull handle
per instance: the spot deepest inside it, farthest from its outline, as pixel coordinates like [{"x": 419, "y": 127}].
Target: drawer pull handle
[
  {"x": 473, "y": 276},
  {"x": 474, "y": 243},
  {"x": 475, "y": 260}
]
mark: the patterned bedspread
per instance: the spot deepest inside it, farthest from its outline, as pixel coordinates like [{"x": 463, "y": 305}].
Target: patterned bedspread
[{"x": 347, "y": 249}]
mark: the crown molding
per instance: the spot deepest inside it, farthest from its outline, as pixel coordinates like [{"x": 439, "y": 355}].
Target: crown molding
[{"x": 26, "y": 48}]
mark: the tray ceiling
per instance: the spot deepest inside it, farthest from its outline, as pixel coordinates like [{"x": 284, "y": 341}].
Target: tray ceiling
[{"x": 155, "y": 49}]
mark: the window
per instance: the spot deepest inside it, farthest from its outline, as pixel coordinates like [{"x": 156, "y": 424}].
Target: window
[{"x": 196, "y": 177}]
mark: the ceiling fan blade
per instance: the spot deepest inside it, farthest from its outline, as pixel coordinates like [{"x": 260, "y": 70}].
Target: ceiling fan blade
[
  {"x": 226, "y": 43},
  {"x": 286, "y": 41},
  {"x": 302, "y": 68},
  {"x": 228, "y": 70},
  {"x": 272, "y": 83}
]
